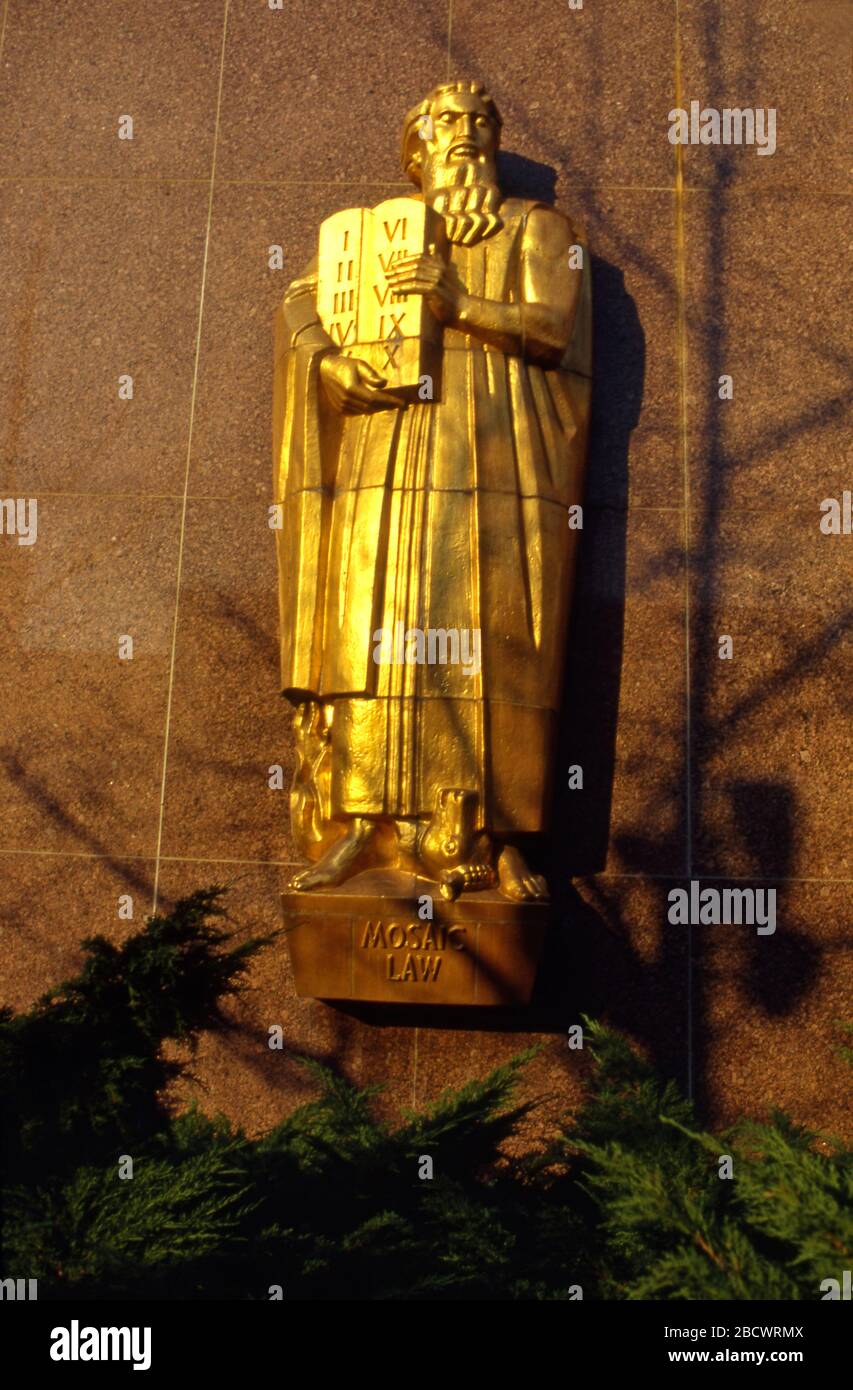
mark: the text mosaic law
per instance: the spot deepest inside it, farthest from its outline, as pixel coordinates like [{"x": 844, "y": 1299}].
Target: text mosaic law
[{"x": 409, "y": 947}]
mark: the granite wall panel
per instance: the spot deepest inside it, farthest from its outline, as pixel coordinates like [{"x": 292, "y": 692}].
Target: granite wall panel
[{"x": 151, "y": 257}]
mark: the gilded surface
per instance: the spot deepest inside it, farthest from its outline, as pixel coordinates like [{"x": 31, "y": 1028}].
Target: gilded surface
[
  {"x": 366, "y": 940},
  {"x": 432, "y": 387}
]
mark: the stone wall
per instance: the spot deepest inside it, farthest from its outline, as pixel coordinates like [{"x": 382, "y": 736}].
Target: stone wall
[{"x": 150, "y": 257}]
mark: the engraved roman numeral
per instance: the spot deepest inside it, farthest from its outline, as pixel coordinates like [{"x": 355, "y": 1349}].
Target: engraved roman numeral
[
  {"x": 340, "y": 333},
  {"x": 386, "y": 262},
  {"x": 396, "y": 320},
  {"x": 400, "y": 221}
]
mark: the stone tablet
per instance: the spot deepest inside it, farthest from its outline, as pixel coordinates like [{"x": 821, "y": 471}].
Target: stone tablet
[{"x": 395, "y": 333}]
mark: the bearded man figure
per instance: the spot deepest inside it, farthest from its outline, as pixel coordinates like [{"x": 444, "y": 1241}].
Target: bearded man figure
[{"x": 453, "y": 515}]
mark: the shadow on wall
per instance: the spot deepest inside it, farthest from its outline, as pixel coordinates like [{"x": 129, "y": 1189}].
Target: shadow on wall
[
  {"x": 594, "y": 651},
  {"x": 664, "y": 998}
]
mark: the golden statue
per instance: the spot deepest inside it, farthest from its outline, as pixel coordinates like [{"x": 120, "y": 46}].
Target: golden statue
[{"x": 432, "y": 387}]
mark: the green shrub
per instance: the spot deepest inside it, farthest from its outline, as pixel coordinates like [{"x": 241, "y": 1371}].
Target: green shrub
[{"x": 624, "y": 1201}]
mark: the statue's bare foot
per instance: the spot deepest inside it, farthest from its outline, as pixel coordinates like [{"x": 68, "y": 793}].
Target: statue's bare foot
[
  {"x": 339, "y": 861},
  {"x": 451, "y": 883},
  {"x": 516, "y": 881},
  {"x": 465, "y": 878}
]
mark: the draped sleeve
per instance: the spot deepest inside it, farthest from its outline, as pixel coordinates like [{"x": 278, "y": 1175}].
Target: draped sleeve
[{"x": 304, "y": 452}]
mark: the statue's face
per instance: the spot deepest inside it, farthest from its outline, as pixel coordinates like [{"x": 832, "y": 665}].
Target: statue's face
[{"x": 462, "y": 133}]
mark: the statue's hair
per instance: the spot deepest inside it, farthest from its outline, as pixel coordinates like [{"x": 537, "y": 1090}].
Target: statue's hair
[{"x": 410, "y": 124}]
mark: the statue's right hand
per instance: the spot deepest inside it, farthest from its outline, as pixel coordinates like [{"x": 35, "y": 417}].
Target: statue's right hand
[{"x": 353, "y": 387}]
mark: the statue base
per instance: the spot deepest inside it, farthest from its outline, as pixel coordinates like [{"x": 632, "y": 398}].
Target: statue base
[{"x": 370, "y": 939}]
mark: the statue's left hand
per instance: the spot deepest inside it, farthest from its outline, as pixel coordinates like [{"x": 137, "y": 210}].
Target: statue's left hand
[
  {"x": 354, "y": 387},
  {"x": 430, "y": 276}
]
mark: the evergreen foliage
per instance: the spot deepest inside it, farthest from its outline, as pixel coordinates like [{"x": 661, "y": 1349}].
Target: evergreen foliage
[{"x": 625, "y": 1201}]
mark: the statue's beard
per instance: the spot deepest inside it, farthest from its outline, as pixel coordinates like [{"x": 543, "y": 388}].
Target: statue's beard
[{"x": 468, "y": 198}]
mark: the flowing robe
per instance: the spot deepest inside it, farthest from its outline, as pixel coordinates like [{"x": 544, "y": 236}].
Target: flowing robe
[{"x": 452, "y": 513}]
